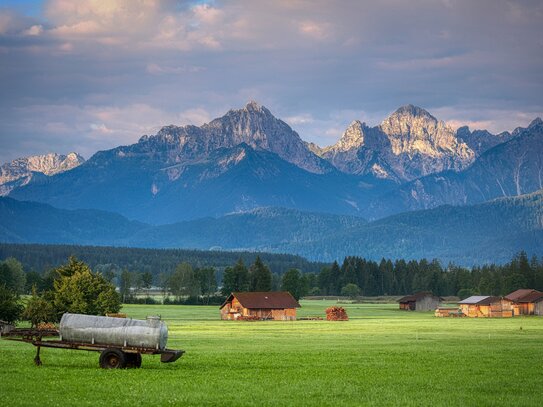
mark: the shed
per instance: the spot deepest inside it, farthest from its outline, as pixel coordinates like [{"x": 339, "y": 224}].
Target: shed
[
  {"x": 421, "y": 301},
  {"x": 277, "y": 305},
  {"x": 486, "y": 306},
  {"x": 5, "y": 327},
  {"x": 526, "y": 302}
]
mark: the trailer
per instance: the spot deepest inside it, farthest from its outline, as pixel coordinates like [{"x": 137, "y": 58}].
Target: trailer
[{"x": 120, "y": 341}]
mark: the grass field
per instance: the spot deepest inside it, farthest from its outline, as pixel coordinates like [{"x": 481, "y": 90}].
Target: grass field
[{"x": 382, "y": 356}]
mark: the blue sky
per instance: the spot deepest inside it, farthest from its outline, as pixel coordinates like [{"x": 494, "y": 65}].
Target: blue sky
[{"x": 91, "y": 74}]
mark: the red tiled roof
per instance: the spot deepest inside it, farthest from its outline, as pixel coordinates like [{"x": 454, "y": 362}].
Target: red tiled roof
[
  {"x": 268, "y": 300},
  {"x": 515, "y": 296},
  {"x": 534, "y": 296},
  {"x": 417, "y": 296}
]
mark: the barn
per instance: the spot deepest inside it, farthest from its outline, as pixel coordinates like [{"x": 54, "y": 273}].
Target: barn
[
  {"x": 526, "y": 302},
  {"x": 421, "y": 301},
  {"x": 277, "y": 305},
  {"x": 486, "y": 306}
]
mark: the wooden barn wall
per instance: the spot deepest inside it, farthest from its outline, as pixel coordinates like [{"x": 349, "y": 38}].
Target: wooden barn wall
[
  {"x": 538, "y": 308},
  {"x": 427, "y": 304},
  {"x": 498, "y": 309}
]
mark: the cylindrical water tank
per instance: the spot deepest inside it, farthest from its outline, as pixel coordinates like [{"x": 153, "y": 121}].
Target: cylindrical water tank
[{"x": 149, "y": 333}]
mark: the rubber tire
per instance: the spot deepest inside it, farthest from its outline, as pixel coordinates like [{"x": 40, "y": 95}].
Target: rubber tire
[
  {"x": 133, "y": 360},
  {"x": 112, "y": 359}
]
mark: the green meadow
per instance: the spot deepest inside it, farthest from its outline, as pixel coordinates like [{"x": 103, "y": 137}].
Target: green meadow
[{"x": 381, "y": 356}]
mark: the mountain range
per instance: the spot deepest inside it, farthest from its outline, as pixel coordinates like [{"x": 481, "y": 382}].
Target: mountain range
[{"x": 248, "y": 159}]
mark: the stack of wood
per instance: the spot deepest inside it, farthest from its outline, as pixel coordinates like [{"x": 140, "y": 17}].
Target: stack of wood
[
  {"x": 46, "y": 326},
  {"x": 249, "y": 318},
  {"x": 336, "y": 314}
]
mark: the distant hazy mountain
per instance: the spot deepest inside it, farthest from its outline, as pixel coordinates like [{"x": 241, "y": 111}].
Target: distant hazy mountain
[
  {"x": 31, "y": 222},
  {"x": 485, "y": 233},
  {"x": 21, "y": 171},
  {"x": 482, "y": 140},
  {"x": 489, "y": 232},
  {"x": 259, "y": 229}
]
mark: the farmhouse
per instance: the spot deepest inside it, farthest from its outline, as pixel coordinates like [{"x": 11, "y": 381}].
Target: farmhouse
[
  {"x": 486, "y": 306},
  {"x": 526, "y": 302},
  {"x": 421, "y": 301},
  {"x": 280, "y": 306}
]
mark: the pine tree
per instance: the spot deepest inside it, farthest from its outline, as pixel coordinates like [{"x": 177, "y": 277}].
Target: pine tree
[
  {"x": 292, "y": 283},
  {"x": 261, "y": 277},
  {"x": 236, "y": 278}
]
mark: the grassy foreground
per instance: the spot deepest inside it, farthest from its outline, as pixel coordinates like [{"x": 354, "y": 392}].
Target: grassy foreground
[{"x": 382, "y": 356}]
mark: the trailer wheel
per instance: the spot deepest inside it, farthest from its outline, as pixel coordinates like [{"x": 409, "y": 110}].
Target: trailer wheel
[
  {"x": 133, "y": 360},
  {"x": 112, "y": 359}
]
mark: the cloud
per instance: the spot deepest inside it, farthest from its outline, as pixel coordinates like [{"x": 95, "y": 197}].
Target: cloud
[
  {"x": 155, "y": 69},
  {"x": 304, "y": 118},
  {"x": 315, "y": 30},
  {"x": 34, "y": 30}
]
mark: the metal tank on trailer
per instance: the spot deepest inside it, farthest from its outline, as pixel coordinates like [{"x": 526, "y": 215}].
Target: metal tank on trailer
[
  {"x": 120, "y": 341},
  {"x": 148, "y": 333}
]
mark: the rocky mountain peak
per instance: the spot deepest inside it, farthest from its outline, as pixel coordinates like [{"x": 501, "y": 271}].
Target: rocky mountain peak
[
  {"x": 412, "y": 111},
  {"x": 408, "y": 144},
  {"x": 253, "y": 106},
  {"x": 481, "y": 140},
  {"x": 412, "y": 130},
  {"x": 253, "y": 125},
  {"x": 536, "y": 122},
  {"x": 410, "y": 120},
  {"x": 353, "y": 137},
  {"x": 20, "y": 171}
]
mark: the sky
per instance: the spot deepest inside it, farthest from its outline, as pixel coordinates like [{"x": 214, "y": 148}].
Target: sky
[{"x": 88, "y": 75}]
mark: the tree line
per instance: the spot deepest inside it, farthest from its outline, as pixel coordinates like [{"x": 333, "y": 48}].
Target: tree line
[
  {"x": 43, "y": 257},
  {"x": 205, "y": 285},
  {"x": 403, "y": 277}
]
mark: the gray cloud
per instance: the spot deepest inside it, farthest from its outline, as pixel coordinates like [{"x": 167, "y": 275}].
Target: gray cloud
[{"x": 90, "y": 75}]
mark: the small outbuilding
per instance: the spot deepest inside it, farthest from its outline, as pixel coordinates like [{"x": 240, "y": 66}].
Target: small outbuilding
[
  {"x": 276, "y": 305},
  {"x": 5, "y": 327},
  {"x": 421, "y": 301},
  {"x": 526, "y": 302},
  {"x": 486, "y": 306}
]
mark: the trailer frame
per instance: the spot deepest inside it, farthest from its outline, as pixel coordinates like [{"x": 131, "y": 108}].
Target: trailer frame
[{"x": 132, "y": 353}]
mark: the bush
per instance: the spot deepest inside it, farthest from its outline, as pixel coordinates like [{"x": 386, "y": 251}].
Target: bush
[
  {"x": 79, "y": 290},
  {"x": 38, "y": 310},
  {"x": 140, "y": 300},
  {"x": 351, "y": 290},
  {"x": 211, "y": 300}
]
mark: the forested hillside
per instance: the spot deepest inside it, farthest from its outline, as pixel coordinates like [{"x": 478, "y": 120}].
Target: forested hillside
[
  {"x": 480, "y": 234},
  {"x": 41, "y": 258},
  {"x": 491, "y": 232}
]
